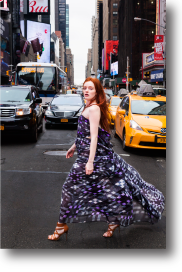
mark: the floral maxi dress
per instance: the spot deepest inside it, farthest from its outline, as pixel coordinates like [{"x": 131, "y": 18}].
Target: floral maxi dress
[{"x": 114, "y": 192}]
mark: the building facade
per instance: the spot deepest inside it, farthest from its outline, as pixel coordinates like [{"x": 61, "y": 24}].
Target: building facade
[
  {"x": 89, "y": 63},
  {"x": 95, "y": 44},
  {"x": 105, "y": 20},
  {"x": 61, "y": 50},
  {"x": 135, "y": 38},
  {"x": 70, "y": 66},
  {"x": 67, "y": 26},
  {"x": 113, "y": 30}
]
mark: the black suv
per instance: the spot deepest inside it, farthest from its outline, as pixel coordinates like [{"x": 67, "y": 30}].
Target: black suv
[{"x": 20, "y": 110}]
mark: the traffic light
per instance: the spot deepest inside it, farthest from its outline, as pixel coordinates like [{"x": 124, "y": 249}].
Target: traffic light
[
  {"x": 7, "y": 72},
  {"x": 66, "y": 70}
]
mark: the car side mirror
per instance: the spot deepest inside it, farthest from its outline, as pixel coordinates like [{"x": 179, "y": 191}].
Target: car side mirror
[
  {"x": 38, "y": 100},
  {"x": 122, "y": 112}
]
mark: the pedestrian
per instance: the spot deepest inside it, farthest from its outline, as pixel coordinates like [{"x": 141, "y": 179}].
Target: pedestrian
[{"x": 101, "y": 186}]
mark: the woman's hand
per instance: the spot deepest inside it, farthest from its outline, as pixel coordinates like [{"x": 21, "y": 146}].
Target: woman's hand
[
  {"x": 70, "y": 153},
  {"x": 89, "y": 168}
]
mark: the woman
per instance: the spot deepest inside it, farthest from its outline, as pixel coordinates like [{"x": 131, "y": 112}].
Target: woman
[{"x": 101, "y": 186}]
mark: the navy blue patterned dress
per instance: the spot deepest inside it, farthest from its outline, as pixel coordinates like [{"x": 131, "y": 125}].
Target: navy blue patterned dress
[{"x": 114, "y": 192}]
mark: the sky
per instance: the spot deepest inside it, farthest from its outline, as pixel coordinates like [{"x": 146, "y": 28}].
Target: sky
[{"x": 80, "y": 16}]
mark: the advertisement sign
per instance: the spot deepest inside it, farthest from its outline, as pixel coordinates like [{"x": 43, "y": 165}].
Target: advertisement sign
[
  {"x": 160, "y": 16},
  {"x": 110, "y": 46},
  {"x": 157, "y": 75},
  {"x": 158, "y": 47},
  {"x": 4, "y": 29},
  {"x": 114, "y": 68},
  {"x": 38, "y": 34},
  {"x": 149, "y": 58},
  {"x": 4, "y": 5},
  {"x": 39, "y": 7},
  {"x": 4, "y": 61}
]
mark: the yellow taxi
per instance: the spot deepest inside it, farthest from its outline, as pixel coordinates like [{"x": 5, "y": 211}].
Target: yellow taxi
[
  {"x": 112, "y": 107},
  {"x": 140, "y": 121}
]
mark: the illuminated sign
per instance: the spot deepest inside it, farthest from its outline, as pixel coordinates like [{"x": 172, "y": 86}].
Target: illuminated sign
[
  {"x": 32, "y": 70},
  {"x": 114, "y": 68},
  {"x": 28, "y": 70},
  {"x": 39, "y": 6},
  {"x": 110, "y": 46},
  {"x": 4, "y": 5},
  {"x": 149, "y": 58},
  {"x": 38, "y": 34}
]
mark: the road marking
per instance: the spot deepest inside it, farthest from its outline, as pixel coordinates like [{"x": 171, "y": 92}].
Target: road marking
[
  {"x": 55, "y": 144},
  {"x": 41, "y": 172},
  {"x": 56, "y": 153},
  {"x": 126, "y": 155}
]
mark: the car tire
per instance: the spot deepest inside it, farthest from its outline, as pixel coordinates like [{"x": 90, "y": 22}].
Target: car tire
[
  {"x": 34, "y": 134},
  {"x": 47, "y": 126},
  {"x": 124, "y": 140}
]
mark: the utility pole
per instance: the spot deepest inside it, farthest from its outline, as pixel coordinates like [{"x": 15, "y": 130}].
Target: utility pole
[{"x": 127, "y": 73}]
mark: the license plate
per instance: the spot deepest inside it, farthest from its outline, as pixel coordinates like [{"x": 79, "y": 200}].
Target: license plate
[
  {"x": 64, "y": 120},
  {"x": 1, "y": 127},
  {"x": 161, "y": 140}
]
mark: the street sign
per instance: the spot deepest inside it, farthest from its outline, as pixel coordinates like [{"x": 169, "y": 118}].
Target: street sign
[{"x": 124, "y": 80}]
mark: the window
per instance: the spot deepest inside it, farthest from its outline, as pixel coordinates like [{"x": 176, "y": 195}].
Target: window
[
  {"x": 115, "y": 30},
  {"x": 115, "y": 13},
  {"x": 115, "y": 21},
  {"x": 125, "y": 104},
  {"x": 115, "y": 38},
  {"x": 115, "y": 5}
]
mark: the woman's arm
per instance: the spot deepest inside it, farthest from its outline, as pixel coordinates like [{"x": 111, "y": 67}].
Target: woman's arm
[
  {"x": 71, "y": 151},
  {"x": 94, "y": 118}
]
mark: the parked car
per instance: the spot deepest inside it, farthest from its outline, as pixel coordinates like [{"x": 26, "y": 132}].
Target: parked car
[
  {"x": 113, "y": 104},
  {"x": 21, "y": 111},
  {"x": 64, "y": 109},
  {"x": 159, "y": 91},
  {"x": 109, "y": 92},
  {"x": 140, "y": 121}
]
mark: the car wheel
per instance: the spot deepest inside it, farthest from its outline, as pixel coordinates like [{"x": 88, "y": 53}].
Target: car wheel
[
  {"x": 115, "y": 134},
  {"x": 124, "y": 140},
  {"x": 34, "y": 134},
  {"x": 47, "y": 126}
]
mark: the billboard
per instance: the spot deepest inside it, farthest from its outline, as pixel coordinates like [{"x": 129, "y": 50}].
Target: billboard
[
  {"x": 158, "y": 47},
  {"x": 110, "y": 46},
  {"x": 5, "y": 49},
  {"x": 114, "y": 68},
  {"x": 39, "y": 7},
  {"x": 38, "y": 34},
  {"x": 4, "y": 5}
]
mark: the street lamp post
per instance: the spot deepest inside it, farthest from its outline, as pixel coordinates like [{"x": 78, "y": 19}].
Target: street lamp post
[{"x": 141, "y": 19}]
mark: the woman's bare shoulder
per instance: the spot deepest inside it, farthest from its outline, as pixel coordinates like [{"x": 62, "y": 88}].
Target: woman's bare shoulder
[{"x": 94, "y": 108}]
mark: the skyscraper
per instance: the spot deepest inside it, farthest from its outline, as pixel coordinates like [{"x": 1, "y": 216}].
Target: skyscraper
[
  {"x": 67, "y": 26},
  {"x": 62, "y": 19}
]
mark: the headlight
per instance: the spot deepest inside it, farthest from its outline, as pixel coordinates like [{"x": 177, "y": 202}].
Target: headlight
[
  {"x": 113, "y": 112},
  {"x": 23, "y": 111},
  {"x": 134, "y": 125},
  {"x": 48, "y": 113}
]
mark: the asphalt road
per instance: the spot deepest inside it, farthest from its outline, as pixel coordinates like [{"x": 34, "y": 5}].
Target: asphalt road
[{"x": 31, "y": 183}]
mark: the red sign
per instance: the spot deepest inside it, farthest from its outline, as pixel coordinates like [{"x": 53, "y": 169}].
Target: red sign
[
  {"x": 38, "y": 6},
  {"x": 109, "y": 47},
  {"x": 158, "y": 47},
  {"x": 124, "y": 80}
]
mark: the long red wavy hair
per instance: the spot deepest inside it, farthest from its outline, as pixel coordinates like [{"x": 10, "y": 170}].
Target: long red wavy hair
[{"x": 100, "y": 98}]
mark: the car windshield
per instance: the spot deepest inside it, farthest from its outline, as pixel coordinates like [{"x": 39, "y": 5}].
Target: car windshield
[
  {"x": 115, "y": 101},
  {"x": 67, "y": 100},
  {"x": 110, "y": 92},
  {"x": 160, "y": 91},
  {"x": 148, "y": 107},
  {"x": 15, "y": 95}
]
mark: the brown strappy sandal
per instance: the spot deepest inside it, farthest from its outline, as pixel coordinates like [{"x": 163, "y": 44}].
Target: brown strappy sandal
[
  {"x": 111, "y": 230},
  {"x": 61, "y": 228}
]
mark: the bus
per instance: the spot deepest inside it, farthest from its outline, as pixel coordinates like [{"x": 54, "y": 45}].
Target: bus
[{"x": 47, "y": 77}]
